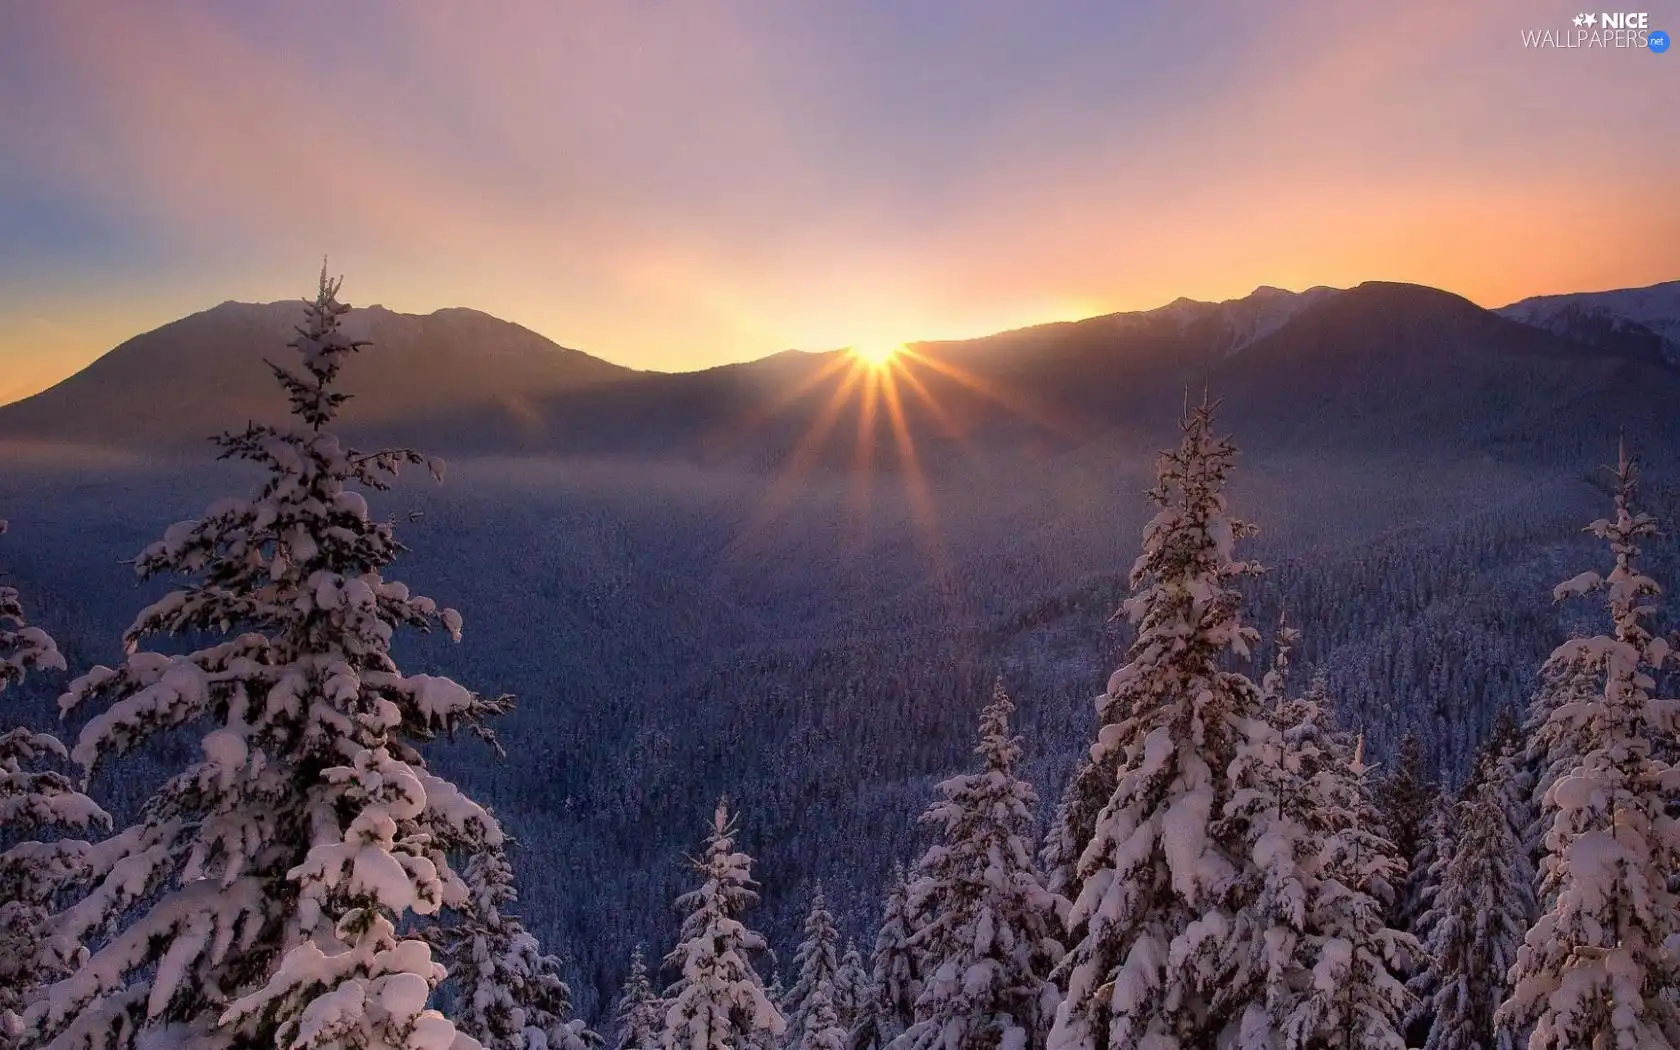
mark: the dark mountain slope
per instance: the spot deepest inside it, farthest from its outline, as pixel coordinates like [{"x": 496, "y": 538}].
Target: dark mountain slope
[{"x": 178, "y": 384}]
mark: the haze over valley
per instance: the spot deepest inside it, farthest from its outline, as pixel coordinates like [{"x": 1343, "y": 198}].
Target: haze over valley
[{"x": 721, "y": 582}]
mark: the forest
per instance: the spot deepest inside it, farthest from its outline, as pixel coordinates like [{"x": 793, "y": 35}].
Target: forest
[{"x": 1364, "y": 788}]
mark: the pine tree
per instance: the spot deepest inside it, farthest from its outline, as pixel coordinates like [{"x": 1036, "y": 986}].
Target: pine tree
[
  {"x": 1410, "y": 798},
  {"x": 40, "y": 810},
  {"x": 1598, "y": 968},
  {"x": 1350, "y": 992},
  {"x": 1504, "y": 741},
  {"x": 1566, "y": 678},
  {"x": 1072, "y": 828},
  {"x": 718, "y": 1002},
  {"x": 851, "y": 988},
  {"x": 1461, "y": 933},
  {"x": 1477, "y": 919},
  {"x": 639, "y": 1017},
  {"x": 510, "y": 995},
  {"x": 987, "y": 939},
  {"x": 818, "y": 964},
  {"x": 821, "y": 1029},
  {"x": 260, "y": 896},
  {"x": 894, "y": 981},
  {"x": 1176, "y": 906}
]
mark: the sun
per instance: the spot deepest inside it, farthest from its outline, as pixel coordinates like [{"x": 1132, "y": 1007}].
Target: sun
[{"x": 876, "y": 355}]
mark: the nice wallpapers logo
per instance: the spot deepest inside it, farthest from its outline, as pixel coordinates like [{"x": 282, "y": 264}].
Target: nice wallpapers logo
[{"x": 1607, "y": 30}]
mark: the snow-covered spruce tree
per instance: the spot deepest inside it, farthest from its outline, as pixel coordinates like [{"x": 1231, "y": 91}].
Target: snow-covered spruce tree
[
  {"x": 258, "y": 900},
  {"x": 40, "y": 810},
  {"x": 1410, "y": 798},
  {"x": 638, "y": 1018},
  {"x": 1351, "y": 993},
  {"x": 1175, "y": 949},
  {"x": 817, "y": 962},
  {"x": 718, "y": 1001},
  {"x": 1503, "y": 745},
  {"x": 1070, "y": 831},
  {"x": 1568, "y": 677},
  {"x": 509, "y": 995},
  {"x": 987, "y": 939},
  {"x": 1075, "y": 821},
  {"x": 894, "y": 981},
  {"x": 1599, "y": 967},
  {"x": 1476, "y": 921},
  {"x": 851, "y": 987}
]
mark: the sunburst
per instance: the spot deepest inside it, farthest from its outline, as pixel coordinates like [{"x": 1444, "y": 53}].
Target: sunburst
[
  {"x": 876, "y": 355},
  {"x": 883, "y": 388}
]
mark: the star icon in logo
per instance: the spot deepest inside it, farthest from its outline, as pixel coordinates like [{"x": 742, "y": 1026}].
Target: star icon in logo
[
  {"x": 1580, "y": 20},
  {"x": 1592, "y": 20}
]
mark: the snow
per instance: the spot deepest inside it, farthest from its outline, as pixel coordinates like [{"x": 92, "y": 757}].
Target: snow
[
  {"x": 260, "y": 851},
  {"x": 1595, "y": 967}
]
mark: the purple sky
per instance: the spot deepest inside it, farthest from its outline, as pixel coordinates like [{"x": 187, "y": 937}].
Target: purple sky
[{"x": 676, "y": 184}]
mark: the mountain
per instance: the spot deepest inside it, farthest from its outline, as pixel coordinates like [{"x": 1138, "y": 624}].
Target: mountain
[
  {"x": 1377, "y": 363},
  {"x": 176, "y": 385},
  {"x": 1379, "y": 366},
  {"x": 1390, "y": 362},
  {"x": 1633, "y": 320},
  {"x": 695, "y": 588}
]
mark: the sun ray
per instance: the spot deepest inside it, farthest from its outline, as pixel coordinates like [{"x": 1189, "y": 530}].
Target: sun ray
[
  {"x": 863, "y": 459},
  {"x": 878, "y": 355},
  {"x": 1020, "y": 406},
  {"x": 936, "y": 411},
  {"x": 922, "y": 509},
  {"x": 786, "y": 399},
  {"x": 794, "y": 471},
  {"x": 910, "y": 388}
]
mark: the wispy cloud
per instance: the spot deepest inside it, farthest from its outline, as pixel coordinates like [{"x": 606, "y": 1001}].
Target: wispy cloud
[{"x": 674, "y": 185}]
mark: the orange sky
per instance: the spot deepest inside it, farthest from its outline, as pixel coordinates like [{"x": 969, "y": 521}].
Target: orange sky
[{"x": 673, "y": 186}]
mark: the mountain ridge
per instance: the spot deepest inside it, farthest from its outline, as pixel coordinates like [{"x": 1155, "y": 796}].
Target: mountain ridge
[
  {"x": 472, "y": 381},
  {"x": 1643, "y": 320}
]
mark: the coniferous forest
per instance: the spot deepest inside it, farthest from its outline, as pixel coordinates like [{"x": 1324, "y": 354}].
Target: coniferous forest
[{"x": 1208, "y": 799}]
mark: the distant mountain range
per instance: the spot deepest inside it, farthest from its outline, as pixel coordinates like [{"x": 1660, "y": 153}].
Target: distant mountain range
[
  {"x": 1379, "y": 361},
  {"x": 1641, "y": 320}
]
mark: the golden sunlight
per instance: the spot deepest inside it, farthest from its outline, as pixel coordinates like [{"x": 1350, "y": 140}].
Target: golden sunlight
[{"x": 876, "y": 355}]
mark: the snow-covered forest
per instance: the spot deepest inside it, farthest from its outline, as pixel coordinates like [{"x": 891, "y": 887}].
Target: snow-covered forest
[{"x": 262, "y": 834}]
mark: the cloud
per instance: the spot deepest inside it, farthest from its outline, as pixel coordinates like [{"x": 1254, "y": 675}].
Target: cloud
[{"x": 673, "y": 185}]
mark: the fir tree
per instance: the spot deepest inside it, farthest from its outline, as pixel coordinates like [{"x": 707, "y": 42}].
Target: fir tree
[
  {"x": 1349, "y": 993},
  {"x": 40, "y": 810},
  {"x": 1410, "y": 798},
  {"x": 894, "y": 981},
  {"x": 1072, "y": 828},
  {"x": 818, "y": 963},
  {"x": 986, "y": 942},
  {"x": 259, "y": 899},
  {"x": 851, "y": 988},
  {"x": 1599, "y": 967},
  {"x": 510, "y": 995},
  {"x": 1568, "y": 677},
  {"x": 1477, "y": 919},
  {"x": 1503, "y": 744},
  {"x": 638, "y": 1018},
  {"x": 1176, "y": 907},
  {"x": 718, "y": 1001}
]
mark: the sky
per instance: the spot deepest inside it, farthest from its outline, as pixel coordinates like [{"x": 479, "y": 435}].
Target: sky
[{"x": 673, "y": 184}]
